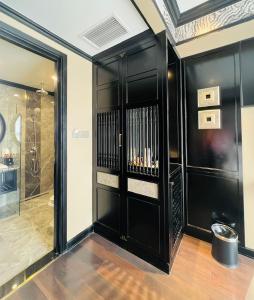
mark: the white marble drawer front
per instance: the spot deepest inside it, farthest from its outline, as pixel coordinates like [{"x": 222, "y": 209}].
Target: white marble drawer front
[
  {"x": 108, "y": 179},
  {"x": 144, "y": 188}
]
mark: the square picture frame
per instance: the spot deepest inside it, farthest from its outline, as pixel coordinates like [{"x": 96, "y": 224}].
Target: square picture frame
[
  {"x": 209, "y": 119},
  {"x": 209, "y": 96}
]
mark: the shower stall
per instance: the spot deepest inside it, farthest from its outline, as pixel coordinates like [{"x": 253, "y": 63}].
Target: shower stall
[
  {"x": 27, "y": 155},
  {"x": 27, "y": 148}
]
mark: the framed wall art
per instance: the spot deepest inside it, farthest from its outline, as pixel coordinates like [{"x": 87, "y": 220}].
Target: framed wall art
[{"x": 209, "y": 119}]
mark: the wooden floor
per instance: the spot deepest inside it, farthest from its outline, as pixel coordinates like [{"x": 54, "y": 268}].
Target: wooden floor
[{"x": 97, "y": 269}]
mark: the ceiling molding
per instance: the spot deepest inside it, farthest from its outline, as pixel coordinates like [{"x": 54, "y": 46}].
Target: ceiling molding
[
  {"x": 196, "y": 12},
  {"x": 33, "y": 25},
  {"x": 238, "y": 12},
  {"x": 173, "y": 10}
]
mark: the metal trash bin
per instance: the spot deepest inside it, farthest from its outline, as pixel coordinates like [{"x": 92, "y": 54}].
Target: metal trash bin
[{"x": 225, "y": 245}]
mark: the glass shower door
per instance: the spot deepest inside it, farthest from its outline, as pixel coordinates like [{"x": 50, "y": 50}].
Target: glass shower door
[{"x": 10, "y": 152}]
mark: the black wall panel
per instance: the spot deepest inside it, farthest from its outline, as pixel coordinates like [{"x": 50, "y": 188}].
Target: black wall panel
[
  {"x": 108, "y": 97},
  {"x": 144, "y": 223},
  {"x": 142, "y": 61},
  {"x": 247, "y": 68},
  {"x": 213, "y": 160},
  {"x": 212, "y": 198},
  {"x": 108, "y": 209},
  {"x": 174, "y": 113},
  {"x": 216, "y": 149},
  {"x": 142, "y": 89},
  {"x": 108, "y": 73}
]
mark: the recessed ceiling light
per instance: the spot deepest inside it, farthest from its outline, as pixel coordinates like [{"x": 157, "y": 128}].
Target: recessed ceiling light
[{"x": 16, "y": 95}]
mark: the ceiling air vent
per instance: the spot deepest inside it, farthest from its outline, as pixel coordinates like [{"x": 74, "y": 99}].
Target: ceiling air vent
[{"x": 105, "y": 32}]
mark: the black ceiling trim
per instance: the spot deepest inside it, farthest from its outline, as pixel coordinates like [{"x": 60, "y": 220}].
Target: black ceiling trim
[
  {"x": 28, "y": 22},
  {"x": 196, "y": 12},
  {"x": 140, "y": 13},
  {"x": 22, "y": 86}
]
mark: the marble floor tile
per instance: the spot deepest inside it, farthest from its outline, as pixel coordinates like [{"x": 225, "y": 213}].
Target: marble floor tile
[{"x": 27, "y": 237}]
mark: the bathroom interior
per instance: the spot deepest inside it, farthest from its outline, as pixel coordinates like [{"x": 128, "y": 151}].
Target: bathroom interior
[{"x": 27, "y": 84}]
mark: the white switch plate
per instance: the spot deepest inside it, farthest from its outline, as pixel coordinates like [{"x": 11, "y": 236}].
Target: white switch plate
[{"x": 80, "y": 134}]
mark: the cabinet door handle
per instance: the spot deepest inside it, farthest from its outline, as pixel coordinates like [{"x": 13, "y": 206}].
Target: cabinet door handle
[{"x": 120, "y": 140}]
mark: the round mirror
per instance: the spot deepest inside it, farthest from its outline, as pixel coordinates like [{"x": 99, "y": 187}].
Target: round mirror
[
  {"x": 18, "y": 124},
  {"x": 2, "y": 127}
]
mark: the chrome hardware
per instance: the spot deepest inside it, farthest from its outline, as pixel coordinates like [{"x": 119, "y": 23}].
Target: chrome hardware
[{"x": 120, "y": 140}]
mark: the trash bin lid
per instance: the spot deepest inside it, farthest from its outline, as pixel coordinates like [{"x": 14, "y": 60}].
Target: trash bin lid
[{"x": 224, "y": 232}]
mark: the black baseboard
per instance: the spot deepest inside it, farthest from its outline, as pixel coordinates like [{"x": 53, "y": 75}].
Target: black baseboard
[
  {"x": 198, "y": 233},
  {"x": 246, "y": 252},
  {"x": 78, "y": 238}
]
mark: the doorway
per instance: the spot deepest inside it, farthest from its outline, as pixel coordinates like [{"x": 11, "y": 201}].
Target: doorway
[{"x": 32, "y": 156}]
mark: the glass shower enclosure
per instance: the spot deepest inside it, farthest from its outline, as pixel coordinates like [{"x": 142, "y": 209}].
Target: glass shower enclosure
[{"x": 10, "y": 150}]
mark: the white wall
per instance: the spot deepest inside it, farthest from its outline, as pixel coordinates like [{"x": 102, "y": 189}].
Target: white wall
[{"x": 79, "y": 115}]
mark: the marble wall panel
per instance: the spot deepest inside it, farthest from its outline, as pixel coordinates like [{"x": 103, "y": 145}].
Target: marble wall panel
[{"x": 47, "y": 143}]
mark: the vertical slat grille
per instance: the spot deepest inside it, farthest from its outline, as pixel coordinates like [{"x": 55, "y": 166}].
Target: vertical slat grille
[
  {"x": 177, "y": 209},
  {"x": 143, "y": 140},
  {"x": 107, "y": 139}
]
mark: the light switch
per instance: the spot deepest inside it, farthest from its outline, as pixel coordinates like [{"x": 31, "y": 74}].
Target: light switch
[{"x": 80, "y": 134}]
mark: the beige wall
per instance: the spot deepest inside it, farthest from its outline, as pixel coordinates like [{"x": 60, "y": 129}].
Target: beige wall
[
  {"x": 248, "y": 173},
  {"x": 79, "y": 115}
]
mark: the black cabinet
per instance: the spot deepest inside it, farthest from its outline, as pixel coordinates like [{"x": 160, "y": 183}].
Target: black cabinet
[
  {"x": 247, "y": 72},
  {"x": 132, "y": 204}
]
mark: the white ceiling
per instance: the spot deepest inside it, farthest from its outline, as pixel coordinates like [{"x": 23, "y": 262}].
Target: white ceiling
[
  {"x": 185, "y": 5},
  {"x": 69, "y": 19},
  {"x": 24, "y": 67}
]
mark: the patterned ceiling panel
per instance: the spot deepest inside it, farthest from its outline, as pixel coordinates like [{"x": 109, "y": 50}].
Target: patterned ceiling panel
[{"x": 239, "y": 11}]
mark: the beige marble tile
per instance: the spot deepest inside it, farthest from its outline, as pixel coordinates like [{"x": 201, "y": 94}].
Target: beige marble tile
[{"x": 25, "y": 238}]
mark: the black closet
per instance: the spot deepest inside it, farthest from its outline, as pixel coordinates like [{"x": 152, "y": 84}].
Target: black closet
[{"x": 137, "y": 162}]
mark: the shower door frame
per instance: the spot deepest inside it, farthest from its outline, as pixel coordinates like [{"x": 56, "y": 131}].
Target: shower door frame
[{"x": 29, "y": 43}]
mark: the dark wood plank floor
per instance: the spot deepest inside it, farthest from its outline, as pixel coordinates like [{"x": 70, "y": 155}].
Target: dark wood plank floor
[{"x": 98, "y": 269}]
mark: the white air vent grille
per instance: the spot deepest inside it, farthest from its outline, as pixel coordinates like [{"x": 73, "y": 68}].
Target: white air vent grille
[{"x": 105, "y": 32}]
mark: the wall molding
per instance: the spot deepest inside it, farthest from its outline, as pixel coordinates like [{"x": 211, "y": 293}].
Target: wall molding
[
  {"x": 40, "y": 29},
  {"x": 79, "y": 237}
]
